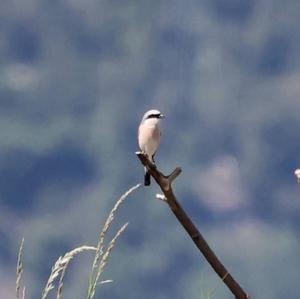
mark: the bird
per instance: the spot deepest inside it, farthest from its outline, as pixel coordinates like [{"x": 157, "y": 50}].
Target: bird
[{"x": 149, "y": 137}]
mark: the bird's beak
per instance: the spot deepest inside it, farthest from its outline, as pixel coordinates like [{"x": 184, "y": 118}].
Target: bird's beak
[{"x": 161, "y": 116}]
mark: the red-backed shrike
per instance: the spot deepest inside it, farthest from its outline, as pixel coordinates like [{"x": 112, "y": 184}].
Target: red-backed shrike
[{"x": 149, "y": 137}]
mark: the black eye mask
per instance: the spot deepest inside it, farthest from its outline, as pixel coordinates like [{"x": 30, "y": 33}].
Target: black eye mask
[{"x": 154, "y": 116}]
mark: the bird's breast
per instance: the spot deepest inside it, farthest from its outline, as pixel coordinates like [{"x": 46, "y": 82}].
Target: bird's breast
[{"x": 149, "y": 138}]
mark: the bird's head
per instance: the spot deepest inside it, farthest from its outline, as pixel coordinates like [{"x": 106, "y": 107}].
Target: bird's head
[{"x": 153, "y": 115}]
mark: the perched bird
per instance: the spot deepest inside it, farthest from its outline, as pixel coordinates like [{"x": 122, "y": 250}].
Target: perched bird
[{"x": 149, "y": 137}]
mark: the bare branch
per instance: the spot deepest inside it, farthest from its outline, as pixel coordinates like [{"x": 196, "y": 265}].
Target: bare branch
[{"x": 165, "y": 184}]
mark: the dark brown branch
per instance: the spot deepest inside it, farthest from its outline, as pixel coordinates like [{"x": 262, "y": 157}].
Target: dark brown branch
[{"x": 165, "y": 184}]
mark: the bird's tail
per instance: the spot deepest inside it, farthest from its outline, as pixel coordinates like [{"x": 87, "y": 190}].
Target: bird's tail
[{"x": 147, "y": 178}]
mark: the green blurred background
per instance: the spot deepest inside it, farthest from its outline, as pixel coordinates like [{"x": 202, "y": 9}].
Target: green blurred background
[{"x": 75, "y": 79}]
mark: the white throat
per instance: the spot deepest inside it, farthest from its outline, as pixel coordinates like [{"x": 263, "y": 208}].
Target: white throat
[{"x": 151, "y": 122}]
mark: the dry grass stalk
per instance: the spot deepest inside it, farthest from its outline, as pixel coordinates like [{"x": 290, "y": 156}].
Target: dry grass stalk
[
  {"x": 104, "y": 260},
  {"x": 99, "y": 264},
  {"x": 105, "y": 281},
  {"x": 23, "y": 294},
  {"x": 60, "y": 267},
  {"x": 68, "y": 257},
  {"x": 107, "y": 224},
  {"x": 19, "y": 271}
]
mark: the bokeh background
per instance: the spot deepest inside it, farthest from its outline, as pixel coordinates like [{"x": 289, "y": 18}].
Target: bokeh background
[{"x": 76, "y": 77}]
